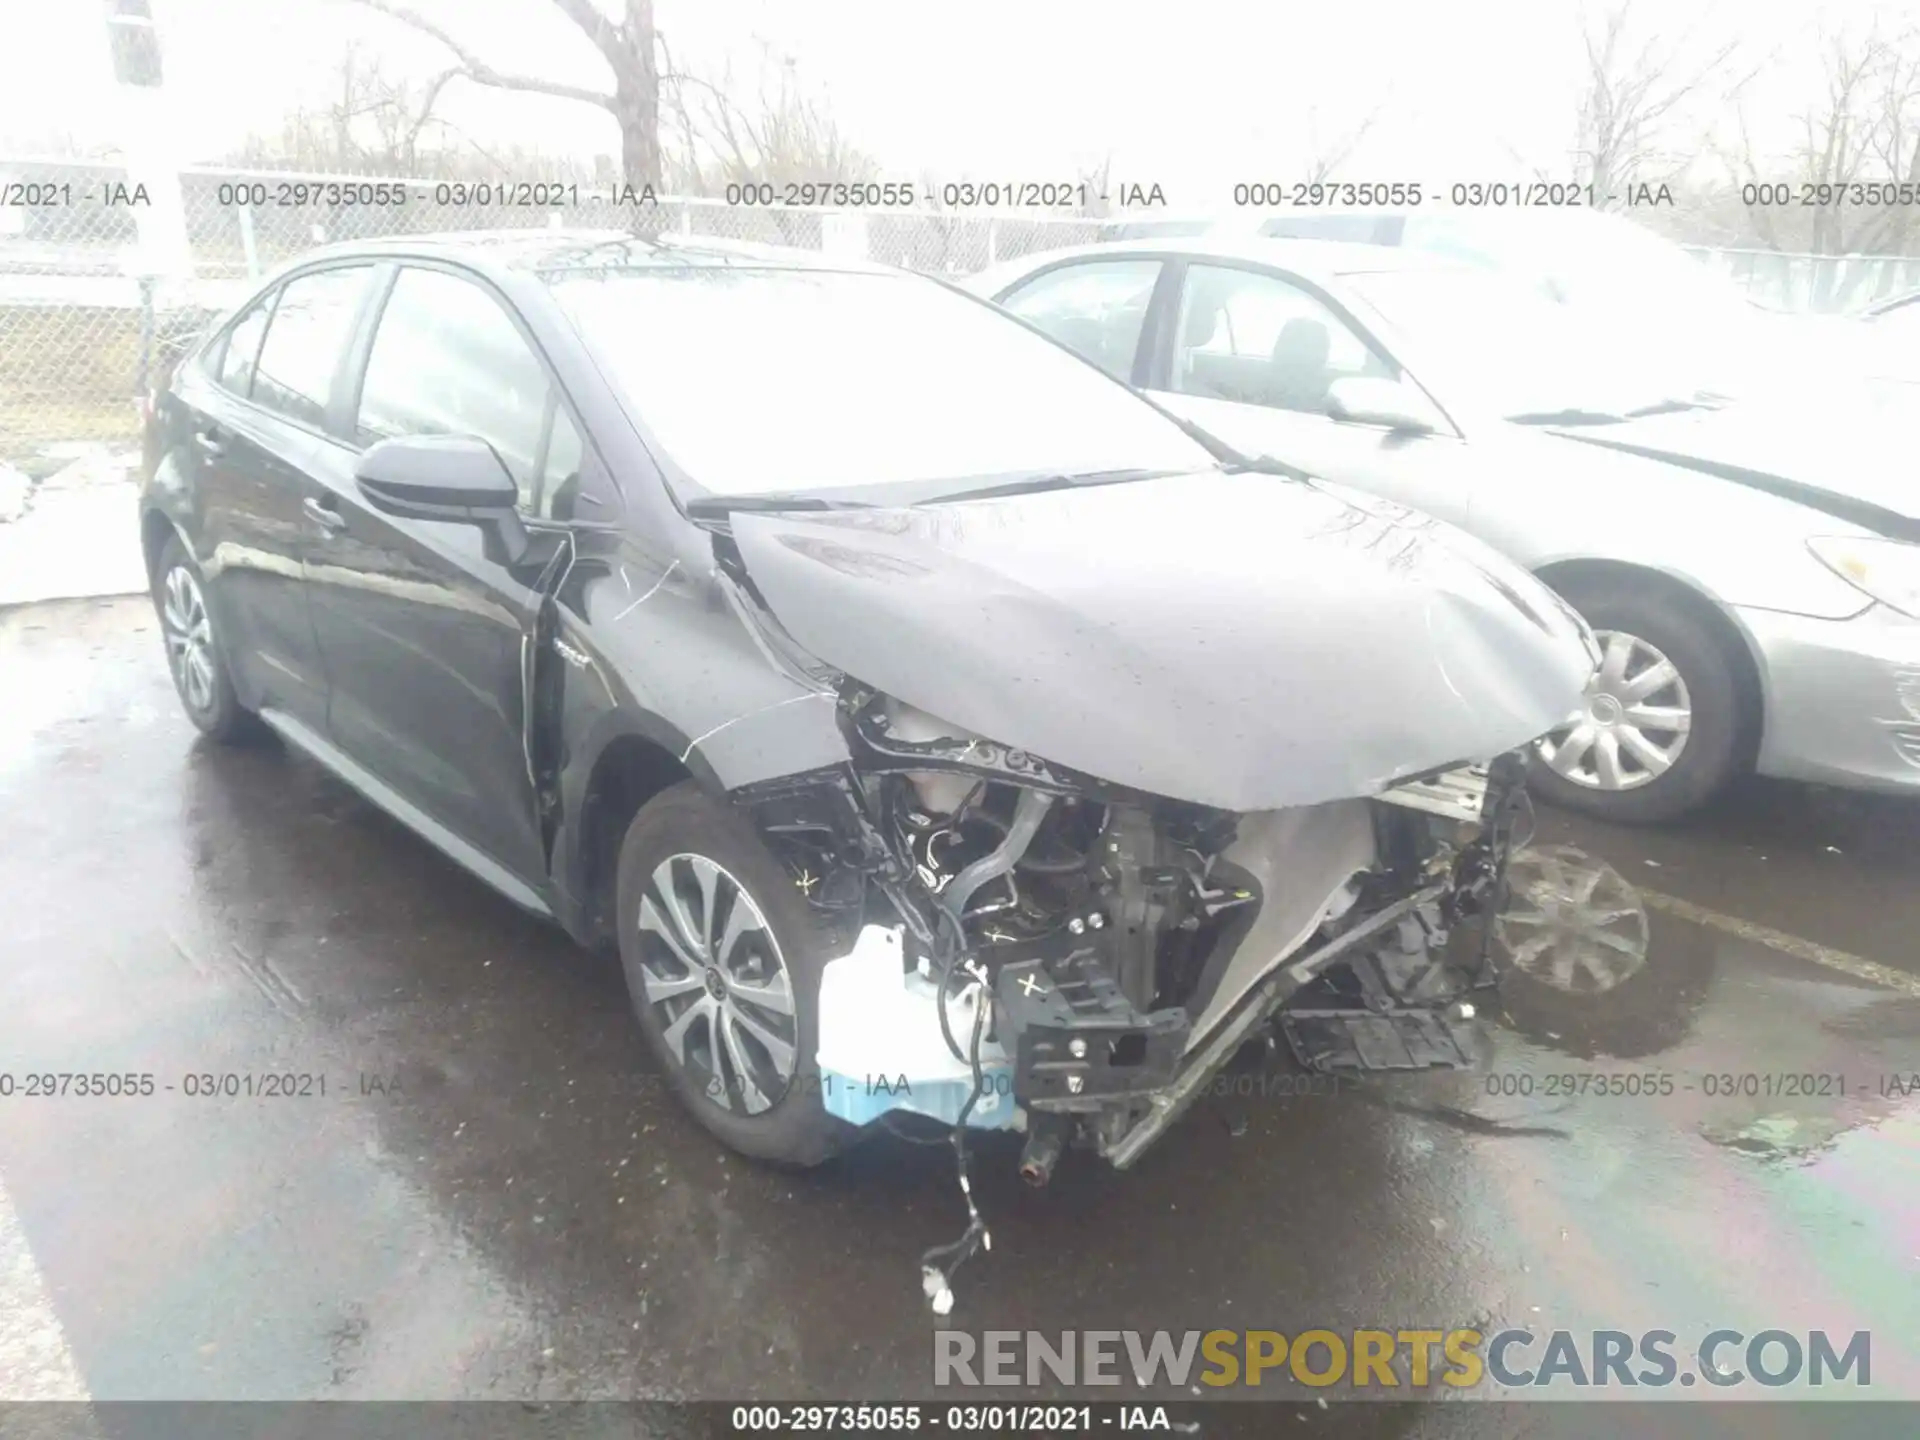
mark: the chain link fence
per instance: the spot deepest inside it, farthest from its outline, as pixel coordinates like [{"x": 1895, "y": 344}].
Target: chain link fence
[{"x": 80, "y": 328}]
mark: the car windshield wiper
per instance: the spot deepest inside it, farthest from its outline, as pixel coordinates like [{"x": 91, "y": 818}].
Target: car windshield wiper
[
  {"x": 1035, "y": 484},
  {"x": 1567, "y": 417},
  {"x": 718, "y": 507},
  {"x": 1230, "y": 459}
]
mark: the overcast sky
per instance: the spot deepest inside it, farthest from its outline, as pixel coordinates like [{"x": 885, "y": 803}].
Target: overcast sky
[{"x": 1194, "y": 94}]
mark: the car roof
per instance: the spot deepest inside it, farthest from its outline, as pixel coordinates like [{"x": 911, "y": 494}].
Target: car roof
[
  {"x": 1311, "y": 259},
  {"x": 548, "y": 250}
]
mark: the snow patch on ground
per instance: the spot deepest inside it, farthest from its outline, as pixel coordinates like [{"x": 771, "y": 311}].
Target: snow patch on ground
[{"x": 75, "y": 532}]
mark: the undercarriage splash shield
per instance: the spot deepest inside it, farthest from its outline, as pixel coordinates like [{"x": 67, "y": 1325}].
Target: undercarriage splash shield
[{"x": 1424, "y": 1039}]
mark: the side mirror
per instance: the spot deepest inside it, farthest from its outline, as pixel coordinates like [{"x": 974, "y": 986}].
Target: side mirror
[
  {"x": 456, "y": 478},
  {"x": 1369, "y": 400}
]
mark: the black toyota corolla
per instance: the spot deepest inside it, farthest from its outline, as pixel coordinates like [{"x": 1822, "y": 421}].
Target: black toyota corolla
[{"x": 942, "y": 733}]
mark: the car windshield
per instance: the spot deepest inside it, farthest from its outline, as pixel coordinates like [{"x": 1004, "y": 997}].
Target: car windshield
[
  {"x": 764, "y": 381},
  {"x": 1520, "y": 354},
  {"x": 1585, "y": 257}
]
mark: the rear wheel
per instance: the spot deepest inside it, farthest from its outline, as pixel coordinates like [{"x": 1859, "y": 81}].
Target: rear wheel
[
  {"x": 1660, "y": 727},
  {"x": 723, "y": 963},
  {"x": 196, "y": 655}
]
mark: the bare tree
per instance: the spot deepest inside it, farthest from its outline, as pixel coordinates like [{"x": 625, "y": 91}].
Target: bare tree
[
  {"x": 779, "y": 134},
  {"x": 1093, "y": 195},
  {"x": 1631, "y": 97},
  {"x": 374, "y": 124},
  {"x": 630, "y": 47},
  {"x": 1325, "y": 154},
  {"x": 1861, "y": 130}
]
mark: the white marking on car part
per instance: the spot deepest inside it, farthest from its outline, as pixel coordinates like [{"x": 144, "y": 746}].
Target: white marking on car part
[
  {"x": 700, "y": 740},
  {"x": 1813, "y": 953},
  {"x": 636, "y": 604},
  {"x": 35, "y": 1362}
]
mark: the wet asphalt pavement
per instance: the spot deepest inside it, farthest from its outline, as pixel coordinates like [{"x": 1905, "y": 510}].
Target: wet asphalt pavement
[{"x": 496, "y": 1199}]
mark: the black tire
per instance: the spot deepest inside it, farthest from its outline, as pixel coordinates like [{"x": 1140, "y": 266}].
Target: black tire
[
  {"x": 792, "y": 1128},
  {"x": 206, "y": 695},
  {"x": 1715, "y": 749}
]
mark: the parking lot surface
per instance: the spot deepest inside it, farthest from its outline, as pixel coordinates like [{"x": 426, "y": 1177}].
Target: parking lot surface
[{"x": 495, "y": 1198}]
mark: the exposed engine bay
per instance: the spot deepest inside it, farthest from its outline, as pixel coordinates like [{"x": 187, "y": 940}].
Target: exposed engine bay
[{"x": 1023, "y": 947}]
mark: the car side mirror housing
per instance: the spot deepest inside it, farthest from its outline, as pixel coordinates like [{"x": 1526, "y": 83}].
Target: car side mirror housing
[
  {"x": 457, "y": 478},
  {"x": 1371, "y": 400}
]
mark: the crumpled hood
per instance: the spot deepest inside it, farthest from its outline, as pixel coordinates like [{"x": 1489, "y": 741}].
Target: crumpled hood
[
  {"x": 1238, "y": 640},
  {"x": 1850, "y": 463}
]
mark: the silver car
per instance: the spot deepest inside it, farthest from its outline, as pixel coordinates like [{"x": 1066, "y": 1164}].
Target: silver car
[{"x": 1753, "y": 572}]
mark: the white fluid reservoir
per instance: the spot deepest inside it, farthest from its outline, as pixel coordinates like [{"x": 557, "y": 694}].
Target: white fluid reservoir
[{"x": 881, "y": 1048}]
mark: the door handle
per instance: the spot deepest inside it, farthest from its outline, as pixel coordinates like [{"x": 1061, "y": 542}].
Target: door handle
[
  {"x": 209, "y": 442},
  {"x": 323, "y": 515}
]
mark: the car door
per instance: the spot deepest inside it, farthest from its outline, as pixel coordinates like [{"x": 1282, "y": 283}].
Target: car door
[
  {"x": 1098, "y": 308},
  {"x": 257, "y": 410},
  {"x": 1252, "y": 354},
  {"x": 422, "y": 633}
]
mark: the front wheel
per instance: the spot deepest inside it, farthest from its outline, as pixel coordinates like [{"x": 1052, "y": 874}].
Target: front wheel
[
  {"x": 723, "y": 965},
  {"x": 1659, "y": 730}
]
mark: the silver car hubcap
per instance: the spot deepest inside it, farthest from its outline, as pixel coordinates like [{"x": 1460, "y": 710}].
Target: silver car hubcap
[
  {"x": 1632, "y": 724},
  {"x": 718, "y": 985},
  {"x": 189, "y": 635},
  {"x": 1572, "y": 921}
]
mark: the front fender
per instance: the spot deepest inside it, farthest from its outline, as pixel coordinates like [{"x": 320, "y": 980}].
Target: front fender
[{"x": 1548, "y": 501}]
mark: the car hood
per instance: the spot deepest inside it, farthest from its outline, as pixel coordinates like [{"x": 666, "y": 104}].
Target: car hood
[
  {"x": 1238, "y": 640},
  {"x": 1845, "y": 462}
]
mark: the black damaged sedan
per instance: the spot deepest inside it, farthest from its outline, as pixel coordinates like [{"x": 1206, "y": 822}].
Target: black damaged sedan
[{"x": 902, "y": 696}]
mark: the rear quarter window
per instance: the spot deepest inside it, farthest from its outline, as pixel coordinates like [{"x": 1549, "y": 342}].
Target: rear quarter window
[{"x": 233, "y": 359}]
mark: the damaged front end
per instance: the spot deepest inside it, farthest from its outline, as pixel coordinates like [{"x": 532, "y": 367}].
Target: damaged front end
[
  {"x": 1024, "y": 947},
  {"x": 1097, "y": 821}
]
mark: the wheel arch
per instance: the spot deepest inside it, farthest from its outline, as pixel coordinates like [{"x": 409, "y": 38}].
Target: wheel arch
[
  {"x": 1572, "y": 575},
  {"x": 156, "y": 528},
  {"x": 626, "y": 770}
]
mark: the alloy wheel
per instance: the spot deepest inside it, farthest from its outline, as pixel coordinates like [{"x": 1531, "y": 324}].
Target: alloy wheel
[
  {"x": 1633, "y": 721},
  {"x": 718, "y": 985},
  {"x": 189, "y": 636},
  {"x": 1572, "y": 921}
]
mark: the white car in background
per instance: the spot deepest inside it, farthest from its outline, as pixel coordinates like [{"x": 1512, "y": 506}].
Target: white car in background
[
  {"x": 1733, "y": 343},
  {"x": 1753, "y": 572}
]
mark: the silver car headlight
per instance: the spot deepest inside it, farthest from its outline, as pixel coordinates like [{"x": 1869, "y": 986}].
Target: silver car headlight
[{"x": 1886, "y": 570}]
